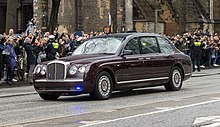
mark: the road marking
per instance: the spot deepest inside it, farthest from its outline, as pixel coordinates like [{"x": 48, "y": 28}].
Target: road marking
[
  {"x": 211, "y": 119},
  {"x": 150, "y": 113},
  {"x": 88, "y": 122},
  {"x": 212, "y": 125},
  {"x": 163, "y": 108},
  {"x": 204, "y": 119}
]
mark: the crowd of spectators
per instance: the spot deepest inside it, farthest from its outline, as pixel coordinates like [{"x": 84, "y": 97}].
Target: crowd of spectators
[
  {"x": 38, "y": 47},
  {"x": 35, "y": 47},
  {"x": 210, "y": 53}
]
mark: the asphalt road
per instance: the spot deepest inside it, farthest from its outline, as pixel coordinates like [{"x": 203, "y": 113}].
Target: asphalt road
[{"x": 197, "y": 104}]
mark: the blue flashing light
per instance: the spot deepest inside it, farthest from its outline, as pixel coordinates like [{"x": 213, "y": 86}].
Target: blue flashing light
[{"x": 78, "y": 88}]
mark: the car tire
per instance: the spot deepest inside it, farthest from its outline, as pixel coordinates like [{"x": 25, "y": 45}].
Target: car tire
[
  {"x": 175, "y": 80},
  {"x": 103, "y": 87},
  {"x": 47, "y": 96}
]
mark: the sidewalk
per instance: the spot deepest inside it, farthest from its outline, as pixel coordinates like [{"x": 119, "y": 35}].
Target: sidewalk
[
  {"x": 206, "y": 72},
  {"x": 19, "y": 88},
  {"x": 15, "y": 84},
  {"x": 17, "y": 91}
]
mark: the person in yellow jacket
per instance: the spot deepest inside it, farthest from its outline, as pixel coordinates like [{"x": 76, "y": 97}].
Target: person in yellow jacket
[{"x": 196, "y": 50}]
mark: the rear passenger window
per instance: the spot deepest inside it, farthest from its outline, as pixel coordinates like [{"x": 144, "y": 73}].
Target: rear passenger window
[
  {"x": 165, "y": 46},
  {"x": 149, "y": 45}
]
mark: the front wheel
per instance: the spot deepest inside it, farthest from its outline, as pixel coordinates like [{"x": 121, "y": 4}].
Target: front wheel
[
  {"x": 47, "y": 96},
  {"x": 103, "y": 87},
  {"x": 175, "y": 81}
]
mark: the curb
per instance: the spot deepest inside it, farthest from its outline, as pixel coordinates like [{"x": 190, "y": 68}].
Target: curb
[
  {"x": 16, "y": 84},
  {"x": 203, "y": 75},
  {"x": 17, "y": 94}
]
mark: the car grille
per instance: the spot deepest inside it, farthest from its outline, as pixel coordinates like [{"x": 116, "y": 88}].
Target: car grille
[{"x": 56, "y": 71}]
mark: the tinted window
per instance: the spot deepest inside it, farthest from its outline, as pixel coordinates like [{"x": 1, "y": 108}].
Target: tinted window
[
  {"x": 149, "y": 45},
  {"x": 165, "y": 45},
  {"x": 133, "y": 45}
]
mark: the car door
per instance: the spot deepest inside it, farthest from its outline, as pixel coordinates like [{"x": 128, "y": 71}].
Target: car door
[
  {"x": 131, "y": 68},
  {"x": 159, "y": 57},
  {"x": 165, "y": 57},
  {"x": 149, "y": 49}
]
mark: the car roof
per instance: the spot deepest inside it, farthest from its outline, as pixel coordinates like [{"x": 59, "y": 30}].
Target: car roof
[{"x": 124, "y": 35}]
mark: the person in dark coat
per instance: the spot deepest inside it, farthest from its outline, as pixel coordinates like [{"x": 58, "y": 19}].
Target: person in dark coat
[
  {"x": 196, "y": 49},
  {"x": 1, "y": 56},
  {"x": 50, "y": 50},
  {"x": 32, "y": 51}
]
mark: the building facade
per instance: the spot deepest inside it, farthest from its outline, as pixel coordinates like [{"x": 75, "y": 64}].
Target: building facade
[
  {"x": 15, "y": 14},
  {"x": 173, "y": 16}
]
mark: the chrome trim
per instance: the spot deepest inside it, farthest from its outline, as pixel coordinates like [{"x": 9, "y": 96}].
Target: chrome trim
[
  {"x": 66, "y": 64},
  {"x": 72, "y": 80},
  {"x": 142, "y": 80},
  {"x": 58, "y": 61},
  {"x": 58, "y": 90},
  {"x": 188, "y": 74}
]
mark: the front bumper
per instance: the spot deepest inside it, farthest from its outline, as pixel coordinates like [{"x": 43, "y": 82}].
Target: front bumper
[{"x": 66, "y": 87}]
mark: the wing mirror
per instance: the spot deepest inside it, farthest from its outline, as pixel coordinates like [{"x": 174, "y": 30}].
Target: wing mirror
[{"x": 126, "y": 52}]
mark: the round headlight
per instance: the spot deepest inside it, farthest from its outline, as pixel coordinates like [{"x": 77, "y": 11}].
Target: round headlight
[
  {"x": 43, "y": 70},
  {"x": 37, "y": 69},
  {"x": 82, "y": 69},
  {"x": 73, "y": 70}
]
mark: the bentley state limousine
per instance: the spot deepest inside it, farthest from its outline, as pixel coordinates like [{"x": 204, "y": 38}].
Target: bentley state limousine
[{"x": 111, "y": 62}]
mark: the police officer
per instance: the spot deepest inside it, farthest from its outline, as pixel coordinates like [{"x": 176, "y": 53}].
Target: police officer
[
  {"x": 196, "y": 50},
  {"x": 50, "y": 48},
  {"x": 55, "y": 46}
]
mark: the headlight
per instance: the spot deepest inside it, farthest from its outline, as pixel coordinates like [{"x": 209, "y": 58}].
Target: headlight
[
  {"x": 84, "y": 69},
  {"x": 37, "y": 69},
  {"x": 43, "y": 70},
  {"x": 73, "y": 70}
]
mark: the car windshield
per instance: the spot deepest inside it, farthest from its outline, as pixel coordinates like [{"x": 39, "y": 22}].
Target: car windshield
[{"x": 108, "y": 45}]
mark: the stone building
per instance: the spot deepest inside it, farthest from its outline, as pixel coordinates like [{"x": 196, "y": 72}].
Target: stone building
[
  {"x": 15, "y": 14},
  {"x": 86, "y": 15},
  {"x": 174, "y": 16}
]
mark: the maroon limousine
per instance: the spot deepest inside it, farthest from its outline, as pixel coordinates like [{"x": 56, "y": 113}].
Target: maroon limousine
[{"x": 114, "y": 62}]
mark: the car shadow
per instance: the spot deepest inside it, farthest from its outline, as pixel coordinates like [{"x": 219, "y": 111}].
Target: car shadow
[{"x": 115, "y": 94}]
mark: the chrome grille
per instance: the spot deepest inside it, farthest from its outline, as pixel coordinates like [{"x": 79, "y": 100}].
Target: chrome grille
[{"x": 56, "y": 71}]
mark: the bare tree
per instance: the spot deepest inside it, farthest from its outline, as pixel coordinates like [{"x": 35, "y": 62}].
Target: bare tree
[{"x": 53, "y": 15}]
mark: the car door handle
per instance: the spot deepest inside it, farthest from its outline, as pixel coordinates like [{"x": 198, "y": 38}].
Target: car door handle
[
  {"x": 148, "y": 58},
  {"x": 141, "y": 58}
]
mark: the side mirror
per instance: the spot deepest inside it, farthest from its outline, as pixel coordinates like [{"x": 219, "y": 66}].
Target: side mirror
[{"x": 126, "y": 52}]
